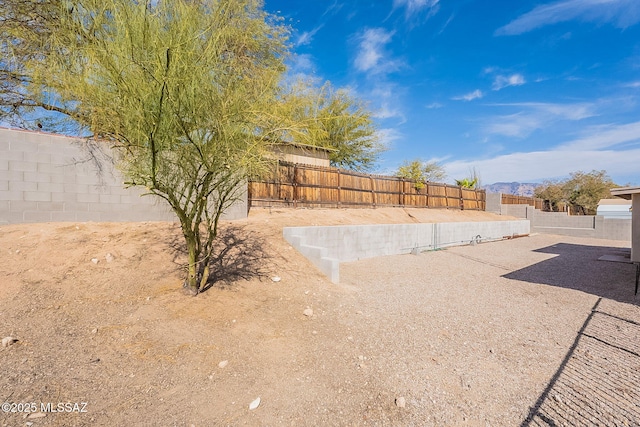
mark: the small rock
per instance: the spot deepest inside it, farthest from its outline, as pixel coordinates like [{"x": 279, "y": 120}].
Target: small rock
[
  {"x": 491, "y": 351},
  {"x": 359, "y": 312},
  {"x": 7, "y": 341},
  {"x": 37, "y": 415},
  {"x": 308, "y": 312},
  {"x": 401, "y": 402},
  {"x": 109, "y": 257},
  {"x": 254, "y": 404},
  {"x": 94, "y": 331},
  {"x": 276, "y": 278},
  {"x": 95, "y": 260},
  {"x": 557, "y": 398},
  {"x": 28, "y": 424},
  {"x": 223, "y": 364}
]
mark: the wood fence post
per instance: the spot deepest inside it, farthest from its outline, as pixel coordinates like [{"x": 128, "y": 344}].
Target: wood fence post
[
  {"x": 373, "y": 190},
  {"x": 295, "y": 186},
  {"x": 339, "y": 189},
  {"x": 427, "y": 187},
  {"x": 461, "y": 200}
]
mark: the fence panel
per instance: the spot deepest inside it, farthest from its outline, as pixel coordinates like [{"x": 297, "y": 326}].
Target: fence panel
[{"x": 299, "y": 185}]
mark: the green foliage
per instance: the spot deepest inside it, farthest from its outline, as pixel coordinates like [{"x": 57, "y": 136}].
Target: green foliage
[
  {"x": 334, "y": 119},
  {"x": 471, "y": 182},
  {"x": 582, "y": 191},
  {"x": 26, "y": 27},
  {"x": 421, "y": 172},
  {"x": 184, "y": 91},
  {"x": 552, "y": 192},
  {"x": 467, "y": 183}
]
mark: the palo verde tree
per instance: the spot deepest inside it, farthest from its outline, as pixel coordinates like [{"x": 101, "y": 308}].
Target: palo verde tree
[
  {"x": 183, "y": 90},
  {"x": 422, "y": 172},
  {"x": 335, "y": 119}
]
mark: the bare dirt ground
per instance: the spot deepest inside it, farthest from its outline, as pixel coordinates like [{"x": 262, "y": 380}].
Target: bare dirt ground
[{"x": 530, "y": 331}]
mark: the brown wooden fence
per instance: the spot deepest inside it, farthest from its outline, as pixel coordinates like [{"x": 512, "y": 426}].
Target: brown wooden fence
[
  {"x": 510, "y": 199},
  {"x": 298, "y": 185},
  {"x": 542, "y": 204}
]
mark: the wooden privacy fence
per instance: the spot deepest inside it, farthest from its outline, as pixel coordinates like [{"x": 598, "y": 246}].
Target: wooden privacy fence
[
  {"x": 510, "y": 199},
  {"x": 298, "y": 185},
  {"x": 538, "y": 203}
]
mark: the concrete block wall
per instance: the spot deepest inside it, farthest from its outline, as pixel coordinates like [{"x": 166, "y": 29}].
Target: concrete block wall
[
  {"x": 562, "y": 223},
  {"x": 47, "y": 177},
  {"x": 328, "y": 246}
]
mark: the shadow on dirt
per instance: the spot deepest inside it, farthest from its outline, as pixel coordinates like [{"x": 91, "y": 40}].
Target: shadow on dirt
[
  {"x": 596, "y": 383},
  {"x": 238, "y": 255},
  {"x": 577, "y": 267}
]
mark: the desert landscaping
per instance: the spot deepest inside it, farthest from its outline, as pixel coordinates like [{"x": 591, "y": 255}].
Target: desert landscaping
[{"x": 516, "y": 332}]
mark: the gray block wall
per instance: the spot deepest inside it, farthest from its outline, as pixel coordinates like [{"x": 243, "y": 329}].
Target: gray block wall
[
  {"x": 328, "y": 246},
  {"x": 47, "y": 177},
  {"x": 594, "y": 226}
]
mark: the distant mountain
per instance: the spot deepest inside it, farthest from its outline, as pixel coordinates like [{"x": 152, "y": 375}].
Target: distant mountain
[{"x": 516, "y": 188}]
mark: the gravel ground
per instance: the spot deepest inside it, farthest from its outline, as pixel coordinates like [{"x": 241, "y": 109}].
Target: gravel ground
[{"x": 530, "y": 331}]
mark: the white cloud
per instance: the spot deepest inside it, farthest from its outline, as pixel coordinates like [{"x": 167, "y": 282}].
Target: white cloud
[
  {"x": 388, "y": 136},
  {"x": 417, "y": 6},
  {"x": 372, "y": 56},
  {"x": 501, "y": 81},
  {"x": 434, "y": 106},
  {"x": 307, "y": 37},
  {"x": 540, "y": 165},
  {"x": 476, "y": 94},
  {"x": 515, "y": 125},
  {"x": 386, "y": 111},
  {"x": 606, "y": 136},
  {"x": 594, "y": 151},
  {"x": 620, "y": 13},
  {"x": 537, "y": 115}
]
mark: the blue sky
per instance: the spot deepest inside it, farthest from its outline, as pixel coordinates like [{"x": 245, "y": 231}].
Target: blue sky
[{"x": 521, "y": 90}]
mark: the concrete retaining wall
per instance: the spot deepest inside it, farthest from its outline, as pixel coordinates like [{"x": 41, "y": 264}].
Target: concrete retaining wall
[
  {"x": 327, "y": 247},
  {"x": 46, "y": 177},
  {"x": 594, "y": 226}
]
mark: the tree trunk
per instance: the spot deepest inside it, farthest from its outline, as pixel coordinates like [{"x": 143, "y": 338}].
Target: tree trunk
[{"x": 192, "y": 286}]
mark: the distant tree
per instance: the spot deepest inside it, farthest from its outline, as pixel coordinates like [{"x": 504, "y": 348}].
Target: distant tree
[
  {"x": 332, "y": 118},
  {"x": 581, "y": 191},
  {"x": 467, "y": 183},
  {"x": 552, "y": 192},
  {"x": 421, "y": 172},
  {"x": 471, "y": 182}
]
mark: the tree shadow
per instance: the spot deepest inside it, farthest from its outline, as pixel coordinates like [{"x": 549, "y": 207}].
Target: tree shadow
[
  {"x": 578, "y": 267},
  {"x": 238, "y": 254}
]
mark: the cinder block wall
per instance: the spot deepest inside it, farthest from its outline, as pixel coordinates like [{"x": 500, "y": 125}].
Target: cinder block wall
[
  {"x": 328, "y": 246},
  {"x": 46, "y": 177},
  {"x": 571, "y": 225}
]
